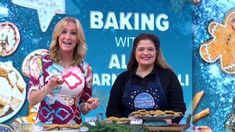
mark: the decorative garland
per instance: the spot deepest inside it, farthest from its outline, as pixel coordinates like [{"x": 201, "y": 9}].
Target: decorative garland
[{"x": 114, "y": 127}]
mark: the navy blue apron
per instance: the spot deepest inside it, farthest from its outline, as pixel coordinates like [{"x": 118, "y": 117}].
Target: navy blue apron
[{"x": 150, "y": 97}]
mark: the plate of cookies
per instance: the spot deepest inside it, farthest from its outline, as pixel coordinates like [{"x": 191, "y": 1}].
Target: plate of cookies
[
  {"x": 29, "y": 61},
  {"x": 113, "y": 119},
  {"x": 9, "y": 38},
  {"x": 61, "y": 127},
  {"x": 12, "y": 91},
  {"x": 155, "y": 114}
]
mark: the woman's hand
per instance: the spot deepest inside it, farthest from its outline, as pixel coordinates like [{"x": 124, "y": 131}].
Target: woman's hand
[
  {"x": 92, "y": 103},
  {"x": 54, "y": 82},
  {"x": 38, "y": 95}
]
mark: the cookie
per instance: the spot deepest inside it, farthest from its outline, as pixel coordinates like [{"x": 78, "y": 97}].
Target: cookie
[
  {"x": 155, "y": 113},
  {"x": 3, "y": 71},
  {"x": 113, "y": 118},
  {"x": 123, "y": 120},
  {"x": 222, "y": 44},
  {"x": 169, "y": 112},
  {"x": 48, "y": 127},
  {"x": 202, "y": 129},
  {"x": 4, "y": 109},
  {"x": 29, "y": 60},
  {"x": 5, "y": 90},
  {"x": 9, "y": 38}
]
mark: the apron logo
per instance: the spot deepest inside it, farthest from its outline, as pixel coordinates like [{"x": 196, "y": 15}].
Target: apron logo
[{"x": 144, "y": 101}]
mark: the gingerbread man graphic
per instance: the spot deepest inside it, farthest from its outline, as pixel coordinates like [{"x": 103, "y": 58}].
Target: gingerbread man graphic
[{"x": 222, "y": 45}]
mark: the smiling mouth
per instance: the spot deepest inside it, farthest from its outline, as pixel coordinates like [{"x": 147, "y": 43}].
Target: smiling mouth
[
  {"x": 67, "y": 43},
  {"x": 146, "y": 58}
]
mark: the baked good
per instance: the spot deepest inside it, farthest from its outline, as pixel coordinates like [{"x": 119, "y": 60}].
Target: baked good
[
  {"x": 3, "y": 71},
  {"x": 47, "y": 127},
  {"x": 30, "y": 118},
  {"x": 30, "y": 58},
  {"x": 9, "y": 38},
  {"x": 12, "y": 89},
  {"x": 222, "y": 44},
  {"x": 155, "y": 113},
  {"x": 202, "y": 129}
]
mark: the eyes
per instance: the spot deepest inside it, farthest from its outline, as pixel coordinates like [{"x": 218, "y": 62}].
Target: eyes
[
  {"x": 149, "y": 49},
  {"x": 70, "y": 32}
]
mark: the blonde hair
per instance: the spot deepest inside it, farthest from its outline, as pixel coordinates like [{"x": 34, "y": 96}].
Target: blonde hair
[{"x": 80, "y": 49}]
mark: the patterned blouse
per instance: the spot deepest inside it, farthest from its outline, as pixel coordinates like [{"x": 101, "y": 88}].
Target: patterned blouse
[{"x": 61, "y": 106}]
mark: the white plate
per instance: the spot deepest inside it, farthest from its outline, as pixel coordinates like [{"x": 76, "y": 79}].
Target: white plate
[{"x": 10, "y": 115}]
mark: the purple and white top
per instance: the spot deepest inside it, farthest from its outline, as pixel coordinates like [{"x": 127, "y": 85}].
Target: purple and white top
[{"x": 61, "y": 106}]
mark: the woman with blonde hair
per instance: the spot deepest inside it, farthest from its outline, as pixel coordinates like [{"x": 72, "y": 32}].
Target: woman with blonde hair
[{"x": 62, "y": 81}]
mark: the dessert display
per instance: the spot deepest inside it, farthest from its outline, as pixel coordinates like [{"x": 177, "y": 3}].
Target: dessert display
[
  {"x": 9, "y": 38},
  {"x": 12, "y": 91},
  {"x": 168, "y": 114},
  {"x": 29, "y": 59},
  {"x": 121, "y": 120},
  {"x": 60, "y": 126}
]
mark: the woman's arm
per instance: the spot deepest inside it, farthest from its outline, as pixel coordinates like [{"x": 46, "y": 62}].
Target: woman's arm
[
  {"x": 87, "y": 103},
  {"x": 37, "y": 95},
  {"x": 38, "y": 89},
  {"x": 91, "y": 104},
  {"x": 175, "y": 96},
  {"x": 114, "y": 107}
]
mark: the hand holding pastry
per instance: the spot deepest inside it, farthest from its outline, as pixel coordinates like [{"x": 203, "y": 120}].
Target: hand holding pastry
[
  {"x": 92, "y": 103},
  {"x": 54, "y": 82}
]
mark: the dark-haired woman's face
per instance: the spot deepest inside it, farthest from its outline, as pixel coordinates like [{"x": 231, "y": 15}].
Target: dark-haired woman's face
[{"x": 145, "y": 53}]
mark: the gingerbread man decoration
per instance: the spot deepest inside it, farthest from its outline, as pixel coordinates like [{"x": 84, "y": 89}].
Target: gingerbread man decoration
[{"x": 222, "y": 45}]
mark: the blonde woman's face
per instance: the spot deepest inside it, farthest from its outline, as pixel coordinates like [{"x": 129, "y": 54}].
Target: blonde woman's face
[
  {"x": 145, "y": 53},
  {"x": 68, "y": 38}
]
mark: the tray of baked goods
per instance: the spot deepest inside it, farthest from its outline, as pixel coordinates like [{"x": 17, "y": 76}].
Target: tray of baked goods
[
  {"x": 155, "y": 117},
  {"x": 148, "y": 118},
  {"x": 155, "y": 114},
  {"x": 19, "y": 127},
  {"x": 50, "y": 127},
  {"x": 113, "y": 119},
  {"x": 151, "y": 120}
]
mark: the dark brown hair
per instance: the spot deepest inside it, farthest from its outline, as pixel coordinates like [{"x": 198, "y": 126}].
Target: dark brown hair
[{"x": 160, "y": 61}]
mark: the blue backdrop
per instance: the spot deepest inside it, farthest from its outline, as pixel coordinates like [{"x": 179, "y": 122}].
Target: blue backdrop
[
  {"x": 209, "y": 77},
  {"x": 110, "y": 27}
]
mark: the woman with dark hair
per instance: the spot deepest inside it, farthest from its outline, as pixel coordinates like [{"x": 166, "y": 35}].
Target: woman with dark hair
[
  {"x": 149, "y": 83},
  {"x": 61, "y": 81}
]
